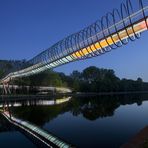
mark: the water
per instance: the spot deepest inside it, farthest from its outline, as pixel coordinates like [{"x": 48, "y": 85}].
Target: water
[
  {"x": 108, "y": 121},
  {"x": 11, "y": 137}
]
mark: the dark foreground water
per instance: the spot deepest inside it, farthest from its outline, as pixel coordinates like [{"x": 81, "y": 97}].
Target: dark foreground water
[
  {"x": 10, "y": 137},
  {"x": 98, "y": 122}
]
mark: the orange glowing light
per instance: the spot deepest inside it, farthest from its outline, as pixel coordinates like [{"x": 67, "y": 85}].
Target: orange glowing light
[{"x": 125, "y": 33}]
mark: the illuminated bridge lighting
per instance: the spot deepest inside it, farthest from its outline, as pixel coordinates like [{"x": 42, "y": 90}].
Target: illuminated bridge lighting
[
  {"x": 113, "y": 30},
  {"x": 115, "y": 38}
]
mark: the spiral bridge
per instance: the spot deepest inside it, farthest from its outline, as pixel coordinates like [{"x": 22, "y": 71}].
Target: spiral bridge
[{"x": 113, "y": 30}]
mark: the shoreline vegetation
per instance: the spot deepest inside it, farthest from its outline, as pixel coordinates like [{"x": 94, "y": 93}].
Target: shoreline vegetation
[{"x": 92, "y": 80}]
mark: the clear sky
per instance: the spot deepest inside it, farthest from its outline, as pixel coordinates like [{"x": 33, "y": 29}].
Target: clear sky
[{"x": 27, "y": 27}]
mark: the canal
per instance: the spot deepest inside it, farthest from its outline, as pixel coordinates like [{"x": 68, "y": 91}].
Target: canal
[{"x": 98, "y": 121}]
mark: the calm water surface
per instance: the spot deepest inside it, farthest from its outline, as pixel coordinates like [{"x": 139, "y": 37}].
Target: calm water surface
[
  {"x": 104, "y": 121},
  {"x": 11, "y": 137}
]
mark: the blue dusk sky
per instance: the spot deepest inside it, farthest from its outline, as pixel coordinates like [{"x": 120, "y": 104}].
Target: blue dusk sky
[{"x": 27, "y": 27}]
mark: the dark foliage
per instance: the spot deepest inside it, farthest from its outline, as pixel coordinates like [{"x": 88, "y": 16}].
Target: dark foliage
[{"x": 91, "y": 79}]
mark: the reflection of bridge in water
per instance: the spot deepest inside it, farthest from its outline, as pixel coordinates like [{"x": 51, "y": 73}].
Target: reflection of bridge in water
[
  {"x": 43, "y": 136},
  {"x": 31, "y": 102},
  {"x": 113, "y": 30},
  {"x": 46, "y": 138},
  {"x": 5, "y": 126},
  {"x": 90, "y": 108}
]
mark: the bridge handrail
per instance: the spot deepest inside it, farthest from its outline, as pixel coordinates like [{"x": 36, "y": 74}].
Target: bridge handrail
[{"x": 94, "y": 40}]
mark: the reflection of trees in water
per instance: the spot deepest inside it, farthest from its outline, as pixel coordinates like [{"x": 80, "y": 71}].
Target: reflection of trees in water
[
  {"x": 38, "y": 114},
  {"x": 102, "y": 106},
  {"x": 91, "y": 108},
  {"x": 95, "y": 108}
]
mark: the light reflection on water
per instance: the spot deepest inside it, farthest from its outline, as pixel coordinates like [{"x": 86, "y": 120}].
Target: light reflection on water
[
  {"x": 36, "y": 102},
  {"x": 104, "y": 121},
  {"x": 12, "y": 137}
]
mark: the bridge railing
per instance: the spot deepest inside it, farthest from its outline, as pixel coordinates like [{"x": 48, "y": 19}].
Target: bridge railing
[{"x": 113, "y": 30}]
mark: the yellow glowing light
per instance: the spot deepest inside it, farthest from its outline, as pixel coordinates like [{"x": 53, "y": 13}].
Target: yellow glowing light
[{"x": 123, "y": 34}]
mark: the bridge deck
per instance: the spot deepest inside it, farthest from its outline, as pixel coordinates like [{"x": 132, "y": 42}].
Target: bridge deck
[
  {"x": 46, "y": 138},
  {"x": 94, "y": 40}
]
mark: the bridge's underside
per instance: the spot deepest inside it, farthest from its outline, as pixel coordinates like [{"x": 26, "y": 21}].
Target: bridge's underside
[{"x": 112, "y": 31}]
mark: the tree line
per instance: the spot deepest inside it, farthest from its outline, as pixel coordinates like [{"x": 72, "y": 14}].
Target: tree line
[{"x": 91, "y": 79}]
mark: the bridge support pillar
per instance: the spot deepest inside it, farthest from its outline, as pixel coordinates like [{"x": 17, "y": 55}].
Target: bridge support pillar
[{"x": 6, "y": 89}]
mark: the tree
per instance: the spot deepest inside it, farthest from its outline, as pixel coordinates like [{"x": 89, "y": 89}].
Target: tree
[
  {"x": 76, "y": 75},
  {"x": 1, "y": 73},
  {"x": 90, "y": 74}
]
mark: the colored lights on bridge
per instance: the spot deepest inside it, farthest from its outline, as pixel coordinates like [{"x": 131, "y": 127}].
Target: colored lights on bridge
[
  {"x": 115, "y": 38},
  {"x": 100, "y": 42}
]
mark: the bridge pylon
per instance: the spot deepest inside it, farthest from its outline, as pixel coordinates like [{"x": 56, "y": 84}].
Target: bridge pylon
[{"x": 6, "y": 89}]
